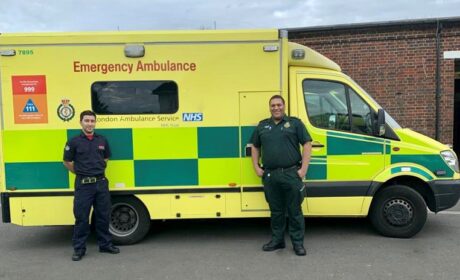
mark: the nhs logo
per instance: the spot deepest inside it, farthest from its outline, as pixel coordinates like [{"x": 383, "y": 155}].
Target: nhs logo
[{"x": 192, "y": 117}]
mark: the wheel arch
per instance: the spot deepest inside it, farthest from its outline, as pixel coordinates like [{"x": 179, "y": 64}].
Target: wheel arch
[
  {"x": 136, "y": 219},
  {"x": 413, "y": 182},
  {"x": 115, "y": 196}
]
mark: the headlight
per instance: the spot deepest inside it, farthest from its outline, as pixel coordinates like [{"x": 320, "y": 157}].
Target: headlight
[{"x": 451, "y": 159}]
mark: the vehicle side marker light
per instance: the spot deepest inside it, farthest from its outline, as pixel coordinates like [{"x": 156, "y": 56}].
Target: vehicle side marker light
[
  {"x": 298, "y": 54},
  {"x": 7, "y": 52},
  {"x": 133, "y": 50},
  {"x": 271, "y": 48}
]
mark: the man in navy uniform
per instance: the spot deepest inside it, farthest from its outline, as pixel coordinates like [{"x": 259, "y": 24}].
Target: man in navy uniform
[
  {"x": 278, "y": 140},
  {"x": 86, "y": 156}
]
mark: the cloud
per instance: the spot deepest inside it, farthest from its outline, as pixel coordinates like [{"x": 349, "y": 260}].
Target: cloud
[
  {"x": 85, "y": 15},
  {"x": 280, "y": 14}
]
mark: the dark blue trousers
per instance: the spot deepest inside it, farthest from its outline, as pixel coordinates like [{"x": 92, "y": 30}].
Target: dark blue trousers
[
  {"x": 285, "y": 192},
  {"x": 96, "y": 195}
]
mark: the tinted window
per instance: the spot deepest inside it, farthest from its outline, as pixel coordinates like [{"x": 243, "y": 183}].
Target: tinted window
[{"x": 135, "y": 97}]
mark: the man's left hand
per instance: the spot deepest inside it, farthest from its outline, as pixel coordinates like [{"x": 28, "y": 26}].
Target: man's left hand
[{"x": 302, "y": 173}]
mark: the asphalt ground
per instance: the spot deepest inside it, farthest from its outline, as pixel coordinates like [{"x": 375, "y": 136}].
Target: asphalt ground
[{"x": 231, "y": 249}]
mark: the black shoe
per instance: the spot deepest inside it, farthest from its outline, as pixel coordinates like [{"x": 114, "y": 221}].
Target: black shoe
[
  {"x": 272, "y": 246},
  {"x": 111, "y": 250},
  {"x": 77, "y": 256},
  {"x": 300, "y": 250}
]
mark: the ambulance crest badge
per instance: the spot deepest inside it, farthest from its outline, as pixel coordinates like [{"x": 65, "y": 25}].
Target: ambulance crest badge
[{"x": 65, "y": 111}]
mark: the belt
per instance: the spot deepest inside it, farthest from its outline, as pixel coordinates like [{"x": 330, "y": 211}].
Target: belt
[
  {"x": 90, "y": 179},
  {"x": 282, "y": 169}
]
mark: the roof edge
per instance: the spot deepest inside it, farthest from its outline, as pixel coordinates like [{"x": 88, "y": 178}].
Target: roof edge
[{"x": 382, "y": 24}]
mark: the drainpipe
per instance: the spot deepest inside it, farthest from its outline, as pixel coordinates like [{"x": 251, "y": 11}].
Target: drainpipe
[{"x": 438, "y": 79}]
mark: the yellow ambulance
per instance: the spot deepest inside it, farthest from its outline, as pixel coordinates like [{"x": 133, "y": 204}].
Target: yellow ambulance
[{"x": 178, "y": 109}]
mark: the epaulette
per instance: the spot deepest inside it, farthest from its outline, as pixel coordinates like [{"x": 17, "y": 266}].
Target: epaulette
[
  {"x": 265, "y": 120},
  {"x": 294, "y": 118}
]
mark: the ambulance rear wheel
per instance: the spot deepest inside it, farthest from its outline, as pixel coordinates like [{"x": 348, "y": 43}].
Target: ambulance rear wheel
[
  {"x": 129, "y": 220},
  {"x": 398, "y": 211}
]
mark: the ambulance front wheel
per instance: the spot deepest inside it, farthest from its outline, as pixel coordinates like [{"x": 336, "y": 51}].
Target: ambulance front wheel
[
  {"x": 129, "y": 220},
  {"x": 398, "y": 211}
]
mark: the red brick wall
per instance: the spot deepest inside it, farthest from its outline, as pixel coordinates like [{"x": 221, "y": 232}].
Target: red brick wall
[{"x": 397, "y": 66}]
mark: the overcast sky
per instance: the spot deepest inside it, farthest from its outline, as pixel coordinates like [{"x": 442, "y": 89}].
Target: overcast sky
[{"x": 84, "y": 15}]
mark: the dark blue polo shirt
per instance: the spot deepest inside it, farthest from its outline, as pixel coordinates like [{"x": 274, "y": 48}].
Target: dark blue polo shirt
[
  {"x": 88, "y": 155},
  {"x": 280, "y": 143}
]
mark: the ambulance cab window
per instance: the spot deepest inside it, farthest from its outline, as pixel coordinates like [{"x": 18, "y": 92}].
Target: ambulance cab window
[
  {"x": 362, "y": 120},
  {"x": 134, "y": 97},
  {"x": 335, "y": 106},
  {"x": 326, "y": 104}
]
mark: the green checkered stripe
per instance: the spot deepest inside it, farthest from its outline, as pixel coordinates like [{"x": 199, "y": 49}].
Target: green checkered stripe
[
  {"x": 416, "y": 170},
  {"x": 352, "y": 144},
  {"x": 196, "y": 156},
  {"x": 141, "y": 157},
  {"x": 349, "y": 145},
  {"x": 431, "y": 162}
]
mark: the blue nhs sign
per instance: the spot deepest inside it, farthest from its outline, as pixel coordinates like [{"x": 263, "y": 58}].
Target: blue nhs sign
[{"x": 192, "y": 117}]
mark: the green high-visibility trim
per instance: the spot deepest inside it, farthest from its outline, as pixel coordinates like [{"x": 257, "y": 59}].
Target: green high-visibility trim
[
  {"x": 433, "y": 163},
  {"x": 317, "y": 170},
  {"x": 387, "y": 147},
  {"x": 166, "y": 172},
  {"x": 336, "y": 145},
  {"x": 36, "y": 175},
  {"x": 246, "y": 133},
  {"x": 416, "y": 170},
  {"x": 355, "y": 136},
  {"x": 120, "y": 141},
  {"x": 218, "y": 142}
]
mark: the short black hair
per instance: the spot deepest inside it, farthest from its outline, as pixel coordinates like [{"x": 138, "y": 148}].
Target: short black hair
[
  {"x": 87, "y": 113},
  {"x": 276, "y": 96}
]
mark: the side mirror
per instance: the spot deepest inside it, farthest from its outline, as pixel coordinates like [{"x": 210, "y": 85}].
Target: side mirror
[{"x": 380, "y": 126}]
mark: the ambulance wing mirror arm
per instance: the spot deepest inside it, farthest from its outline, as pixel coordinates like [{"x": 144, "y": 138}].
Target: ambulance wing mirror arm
[{"x": 380, "y": 127}]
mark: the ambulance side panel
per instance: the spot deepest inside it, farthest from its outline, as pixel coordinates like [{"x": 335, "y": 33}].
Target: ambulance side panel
[{"x": 186, "y": 162}]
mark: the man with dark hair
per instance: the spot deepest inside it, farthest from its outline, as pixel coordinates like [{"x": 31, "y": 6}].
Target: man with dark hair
[
  {"x": 277, "y": 140},
  {"x": 86, "y": 155}
]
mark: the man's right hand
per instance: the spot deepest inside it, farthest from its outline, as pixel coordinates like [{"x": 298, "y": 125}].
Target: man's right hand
[
  {"x": 255, "y": 153},
  {"x": 259, "y": 171}
]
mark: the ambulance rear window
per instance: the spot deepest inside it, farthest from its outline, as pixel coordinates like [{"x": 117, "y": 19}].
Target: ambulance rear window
[{"x": 134, "y": 97}]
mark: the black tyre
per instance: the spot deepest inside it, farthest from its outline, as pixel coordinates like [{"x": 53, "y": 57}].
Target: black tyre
[
  {"x": 129, "y": 220},
  {"x": 398, "y": 211}
]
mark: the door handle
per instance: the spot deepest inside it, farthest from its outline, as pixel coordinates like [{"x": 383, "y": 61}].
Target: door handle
[
  {"x": 248, "y": 150},
  {"x": 316, "y": 144}
]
